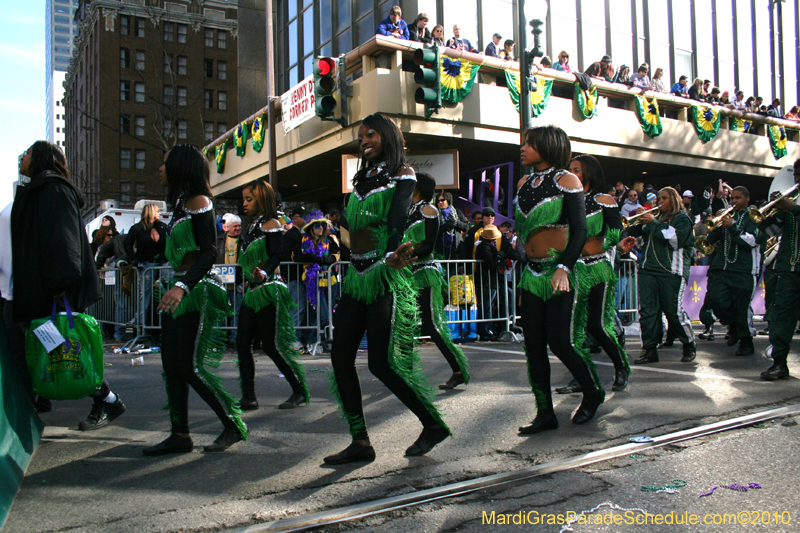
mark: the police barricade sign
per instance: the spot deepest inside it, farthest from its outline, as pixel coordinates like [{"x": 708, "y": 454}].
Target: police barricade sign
[{"x": 227, "y": 273}]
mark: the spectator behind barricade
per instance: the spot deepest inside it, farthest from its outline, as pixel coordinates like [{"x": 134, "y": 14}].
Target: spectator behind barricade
[
  {"x": 631, "y": 204},
  {"x": 774, "y": 110},
  {"x": 228, "y": 254},
  {"x": 641, "y": 80},
  {"x": 750, "y": 104},
  {"x": 725, "y": 100},
  {"x": 714, "y": 97},
  {"x": 473, "y": 234},
  {"x": 419, "y": 32},
  {"x": 793, "y": 114},
  {"x": 757, "y": 105},
  {"x": 475, "y": 219},
  {"x": 738, "y": 102},
  {"x": 545, "y": 62},
  {"x": 333, "y": 218},
  {"x": 690, "y": 206},
  {"x": 291, "y": 248},
  {"x": 101, "y": 236},
  {"x": 107, "y": 222},
  {"x": 624, "y": 76},
  {"x": 679, "y": 88},
  {"x": 51, "y": 256},
  {"x": 461, "y": 44},
  {"x": 705, "y": 201},
  {"x": 659, "y": 85},
  {"x": 598, "y": 68},
  {"x": 620, "y": 193},
  {"x": 449, "y": 242},
  {"x": 394, "y": 25},
  {"x": 507, "y": 53},
  {"x": 720, "y": 201},
  {"x": 706, "y": 89},
  {"x": 492, "y": 251},
  {"x": 493, "y": 48},
  {"x": 696, "y": 90},
  {"x": 320, "y": 251},
  {"x": 438, "y": 35},
  {"x": 652, "y": 200},
  {"x": 563, "y": 62},
  {"x": 111, "y": 255}
]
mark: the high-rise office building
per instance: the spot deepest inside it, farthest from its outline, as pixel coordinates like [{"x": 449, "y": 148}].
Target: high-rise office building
[{"x": 60, "y": 32}]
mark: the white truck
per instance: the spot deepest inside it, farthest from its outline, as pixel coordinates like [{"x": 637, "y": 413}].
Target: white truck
[{"x": 125, "y": 218}]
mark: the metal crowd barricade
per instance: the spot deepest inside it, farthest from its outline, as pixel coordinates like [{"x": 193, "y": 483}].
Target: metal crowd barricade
[
  {"x": 628, "y": 291},
  {"x": 118, "y": 305}
]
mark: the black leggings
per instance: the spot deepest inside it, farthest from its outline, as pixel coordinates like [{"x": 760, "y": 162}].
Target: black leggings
[
  {"x": 595, "y": 326},
  {"x": 264, "y": 324},
  {"x": 352, "y": 318},
  {"x": 429, "y": 328},
  {"x": 178, "y": 338},
  {"x": 548, "y": 323}
]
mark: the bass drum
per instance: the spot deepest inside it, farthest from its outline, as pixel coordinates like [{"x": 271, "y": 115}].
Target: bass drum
[{"x": 783, "y": 180}]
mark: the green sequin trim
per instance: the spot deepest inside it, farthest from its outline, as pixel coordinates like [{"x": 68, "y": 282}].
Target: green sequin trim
[
  {"x": 180, "y": 242},
  {"x": 547, "y": 213}
]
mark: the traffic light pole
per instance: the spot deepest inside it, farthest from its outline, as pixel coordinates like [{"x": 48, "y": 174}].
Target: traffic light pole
[{"x": 524, "y": 73}]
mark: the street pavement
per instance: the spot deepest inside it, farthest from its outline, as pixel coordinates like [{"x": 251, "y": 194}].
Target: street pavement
[{"x": 99, "y": 480}]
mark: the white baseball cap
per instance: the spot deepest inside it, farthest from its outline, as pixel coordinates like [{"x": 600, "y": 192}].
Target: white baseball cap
[{"x": 689, "y": 194}]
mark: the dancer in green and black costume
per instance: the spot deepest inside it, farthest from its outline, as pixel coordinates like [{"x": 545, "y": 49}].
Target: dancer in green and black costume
[
  {"x": 786, "y": 309},
  {"x": 735, "y": 267},
  {"x": 428, "y": 280},
  {"x": 377, "y": 295},
  {"x": 194, "y": 303},
  {"x": 267, "y": 304},
  {"x": 663, "y": 273},
  {"x": 598, "y": 281},
  {"x": 551, "y": 221}
]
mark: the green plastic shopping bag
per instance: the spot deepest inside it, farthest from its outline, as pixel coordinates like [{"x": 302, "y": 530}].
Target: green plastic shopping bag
[{"x": 72, "y": 370}]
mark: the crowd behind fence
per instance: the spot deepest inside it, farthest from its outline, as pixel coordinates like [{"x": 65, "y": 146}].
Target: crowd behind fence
[{"x": 479, "y": 303}]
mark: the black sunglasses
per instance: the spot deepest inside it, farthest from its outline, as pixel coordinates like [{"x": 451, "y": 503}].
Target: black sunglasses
[
  {"x": 318, "y": 225},
  {"x": 442, "y": 200}
]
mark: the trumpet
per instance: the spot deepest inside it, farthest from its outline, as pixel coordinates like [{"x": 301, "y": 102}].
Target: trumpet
[
  {"x": 757, "y": 215},
  {"x": 772, "y": 243},
  {"x": 702, "y": 244},
  {"x": 634, "y": 219},
  {"x": 714, "y": 223}
]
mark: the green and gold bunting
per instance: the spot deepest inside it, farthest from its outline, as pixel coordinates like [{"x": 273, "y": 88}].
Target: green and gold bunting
[
  {"x": 587, "y": 101},
  {"x": 706, "y": 121},
  {"x": 457, "y": 78},
  {"x": 257, "y": 133},
  {"x": 741, "y": 125},
  {"x": 205, "y": 152},
  {"x": 539, "y": 97},
  {"x": 777, "y": 141},
  {"x": 240, "y": 138},
  {"x": 222, "y": 153},
  {"x": 647, "y": 112}
]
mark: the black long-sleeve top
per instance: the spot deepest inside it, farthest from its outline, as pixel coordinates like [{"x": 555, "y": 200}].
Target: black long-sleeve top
[
  {"x": 140, "y": 247},
  {"x": 204, "y": 227}
]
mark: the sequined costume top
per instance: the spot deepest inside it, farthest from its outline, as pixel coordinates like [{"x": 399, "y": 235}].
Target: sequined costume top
[
  {"x": 192, "y": 230},
  {"x": 260, "y": 248},
  {"x": 602, "y": 220},
  {"x": 421, "y": 230}
]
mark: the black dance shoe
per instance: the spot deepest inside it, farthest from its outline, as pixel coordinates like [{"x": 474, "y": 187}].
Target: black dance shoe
[
  {"x": 689, "y": 352},
  {"x": 650, "y": 355},
  {"x": 746, "y": 347},
  {"x": 732, "y": 337},
  {"x": 455, "y": 380},
  {"x": 248, "y": 404},
  {"x": 588, "y": 406},
  {"x": 429, "y": 438},
  {"x": 227, "y": 438},
  {"x": 297, "y": 399},
  {"x": 572, "y": 387},
  {"x": 544, "y": 421},
  {"x": 707, "y": 334},
  {"x": 776, "y": 372},
  {"x": 620, "y": 380},
  {"x": 173, "y": 444},
  {"x": 670, "y": 341},
  {"x": 355, "y": 453}
]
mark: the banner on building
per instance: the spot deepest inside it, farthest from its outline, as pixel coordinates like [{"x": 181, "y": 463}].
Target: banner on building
[
  {"x": 540, "y": 92},
  {"x": 297, "y": 104},
  {"x": 441, "y": 164}
]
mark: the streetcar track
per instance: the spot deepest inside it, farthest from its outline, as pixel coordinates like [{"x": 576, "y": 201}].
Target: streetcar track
[{"x": 385, "y": 505}]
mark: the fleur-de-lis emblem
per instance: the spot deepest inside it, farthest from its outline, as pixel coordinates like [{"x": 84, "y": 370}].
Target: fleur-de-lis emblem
[
  {"x": 763, "y": 288},
  {"x": 696, "y": 290}
]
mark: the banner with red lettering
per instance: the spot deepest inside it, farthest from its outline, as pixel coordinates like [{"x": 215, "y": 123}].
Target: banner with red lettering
[{"x": 298, "y": 104}]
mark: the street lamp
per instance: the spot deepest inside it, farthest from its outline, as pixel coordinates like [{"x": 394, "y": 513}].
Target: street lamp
[{"x": 534, "y": 11}]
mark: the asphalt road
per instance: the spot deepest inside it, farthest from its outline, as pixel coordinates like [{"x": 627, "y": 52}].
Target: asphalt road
[{"x": 99, "y": 480}]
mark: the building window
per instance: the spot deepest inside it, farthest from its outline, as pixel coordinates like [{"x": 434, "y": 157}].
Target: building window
[
  {"x": 140, "y": 27},
  {"x": 138, "y": 91},
  {"x": 167, "y": 63},
  {"x": 139, "y": 126},
  {"x": 140, "y": 159},
  {"x": 222, "y": 100},
  {"x": 209, "y": 37},
  {"x": 124, "y": 186},
  {"x": 222, "y": 39},
  {"x": 208, "y": 65},
  {"x": 124, "y": 25},
  {"x": 182, "y": 96},
  {"x": 139, "y": 60},
  {"x": 182, "y": 65},
  {"x": 208, "y": 98},
  {"x": 208, "y": 131},
  {"x": 182, "y": 33},
  {"x": 222, "y": 129},
  {"x": 141, "y": 189},
  {"x": 125, "y": 124},
  {"x": 166, "y": 128},
  {"x": 183, "y": 130},
  {"x": 62, "y": 40},
  {"x": 124, "y": 160},
  {"x": 124, "y": 90},
  {"x": 124, "y": 58},
  {"x": 169, "y": 31},
  {"x": 167, "y": 95},
  {"x": 222, "y": 70}
]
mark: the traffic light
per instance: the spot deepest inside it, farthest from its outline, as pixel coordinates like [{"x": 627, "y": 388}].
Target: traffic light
[
  {"x": 429, "y": 75},
  {"x": 324, "y": 85}
]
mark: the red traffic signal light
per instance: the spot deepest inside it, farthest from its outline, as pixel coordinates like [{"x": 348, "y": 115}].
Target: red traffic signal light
[{"x": 325, "y": 66}]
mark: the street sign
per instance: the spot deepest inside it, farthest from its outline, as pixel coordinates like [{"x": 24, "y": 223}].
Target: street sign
[{"x": 297, "y": 104}]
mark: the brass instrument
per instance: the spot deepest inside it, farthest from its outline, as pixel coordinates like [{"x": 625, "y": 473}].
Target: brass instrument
[
  {"x": 702, "y": 244},
  {"x": 713, "y": 223},
  {"x": 757, "y": 215},
  {"x": 772, "y": 243},
  {"x": 633, "y": 220}
]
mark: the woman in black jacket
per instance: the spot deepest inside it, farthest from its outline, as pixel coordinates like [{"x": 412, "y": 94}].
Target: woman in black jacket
[
  {"x": 51, "y": 256},
  {"x": 144, "y": 248}
]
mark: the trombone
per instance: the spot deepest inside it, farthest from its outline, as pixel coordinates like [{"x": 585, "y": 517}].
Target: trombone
[
  {"x": 702, "y": 244},
  {"x": 772, "y": 243},
  {"x": 713, "y": 223},
  {"x": 757, "y": 215},
  {"x": 633, "y": 220}
]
